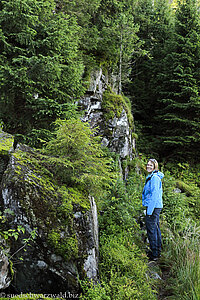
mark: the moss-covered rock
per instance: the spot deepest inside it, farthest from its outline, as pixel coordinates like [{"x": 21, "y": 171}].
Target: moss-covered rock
[
  {"x": 63, "y": 220},
  {"x": 113, "y": 106},
  {"x": 6, "y": 147},
  {"x": 6, "y": 143}
]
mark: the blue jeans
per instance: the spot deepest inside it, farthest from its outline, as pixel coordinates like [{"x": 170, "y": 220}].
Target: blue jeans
[{"x": 153, "y": 232}]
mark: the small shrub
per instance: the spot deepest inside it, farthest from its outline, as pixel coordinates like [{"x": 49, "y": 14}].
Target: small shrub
[{"x": 77, "y": 157}]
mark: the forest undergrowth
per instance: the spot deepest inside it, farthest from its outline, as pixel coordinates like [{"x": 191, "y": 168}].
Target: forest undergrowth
[
  {"x": 125, "y": 272},
  {"x": 49, "y": 51}
]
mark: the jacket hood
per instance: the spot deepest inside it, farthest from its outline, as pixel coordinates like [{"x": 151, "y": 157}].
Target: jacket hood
[{"x": 159, "y": 174}]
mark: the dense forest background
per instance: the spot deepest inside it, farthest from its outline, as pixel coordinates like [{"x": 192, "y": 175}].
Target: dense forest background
[
  {"x": 48, "y": 48},
  {"x": 47, "y": 51}
]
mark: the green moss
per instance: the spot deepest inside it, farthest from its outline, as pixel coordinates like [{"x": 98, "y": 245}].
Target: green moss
[
  {"x": 72, "y": 196},
  {"x": 63, "y": 239},
  {"x": 39, "y": 188},
  {"x": 186, "y": 188},
  {"x": 113, "y": 105},
  {"x": 134, "y": 136},
  {"x": 67, "y": 247},
  {"x": 6, "y": 143},
  {"x": 127, "y": 107}
]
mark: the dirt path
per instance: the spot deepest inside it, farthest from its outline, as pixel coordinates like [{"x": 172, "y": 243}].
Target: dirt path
[
  {"x": 161, "y": 273},
  {"x": 164, "y": 292}
]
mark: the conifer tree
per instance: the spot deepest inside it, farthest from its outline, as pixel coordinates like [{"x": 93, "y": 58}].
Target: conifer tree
[
  {"x": 118, "y": 38},
  {"x": 85, "y": 12},
  {"x": 156, "y": 28},
  {"x": 40, "y": 67},
  {"x": 179, "y": 115}
]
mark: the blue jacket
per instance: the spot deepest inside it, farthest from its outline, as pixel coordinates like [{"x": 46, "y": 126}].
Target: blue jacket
[{"x": 152, "y": 192}]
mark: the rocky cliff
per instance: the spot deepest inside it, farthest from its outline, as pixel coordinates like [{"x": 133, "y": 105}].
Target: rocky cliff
[
  {"x": 53, "y": 231},
  {"x": 111, "y": 115}
]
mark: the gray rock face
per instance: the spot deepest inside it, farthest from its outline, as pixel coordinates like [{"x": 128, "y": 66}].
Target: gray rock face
[
  {"x": 42, "y": 268},
  {"x": 90, "y": 240},
  {"x": 5, "y": 277},
  {"x": 116, "y": 133}
]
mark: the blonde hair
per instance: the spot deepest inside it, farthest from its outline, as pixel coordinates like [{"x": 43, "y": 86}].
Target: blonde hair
[{"x": 154, "y": 161}]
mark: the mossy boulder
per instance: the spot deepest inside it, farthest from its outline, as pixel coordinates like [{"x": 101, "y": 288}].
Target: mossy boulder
[
  {"x": 6, "y": 147},
  {"x": 66, "y": 246}
]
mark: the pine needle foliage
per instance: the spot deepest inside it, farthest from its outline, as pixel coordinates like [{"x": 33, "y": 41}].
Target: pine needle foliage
[
  {"x": 41, "y": 69},
  {"x": 78, "y": 157},
  {"x": 179, "y": 96}
]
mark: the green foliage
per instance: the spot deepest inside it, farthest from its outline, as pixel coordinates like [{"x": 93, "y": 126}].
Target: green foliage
[
  {"x": 186, "y": 179},
  {"x": 180, "y": 231},
  {"x": 182, "y": 252},
  {"x": 78, "y": 157},
  {"x": 41, "y": 67},
  {"x": 123, "y": 268},
  {"x": 9, "y": 233},
  {"x": 179, "y": 94},
  {"x": 156, "y": 27},
  {"x": 85, "y": 13},
  {"x": 176, "y": 203},
  {"x": 6, "y": 143},
  {"x": 119, "y": 40},
  {"x": 93, "y": 291},
  {"x": 120, "y": 207},
  {"x": 165, "y": 93}
]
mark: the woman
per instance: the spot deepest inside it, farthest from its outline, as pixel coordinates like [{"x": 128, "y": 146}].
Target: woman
[{"x": 152, "y": 201}]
